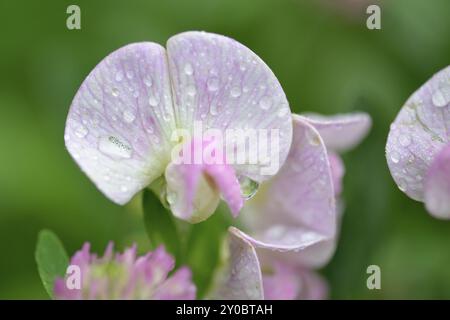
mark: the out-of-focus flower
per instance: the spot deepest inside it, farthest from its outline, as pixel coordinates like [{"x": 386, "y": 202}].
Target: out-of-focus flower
[
  {"x": 292, "y": 222},
  {"x": 418, "y": 148},
  {"x": 126, "y": 276},
  {"x": 125, "y": 120}
]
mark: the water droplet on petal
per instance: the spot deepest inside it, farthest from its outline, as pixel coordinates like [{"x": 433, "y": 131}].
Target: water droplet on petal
[
  {"x": 153, "y": 101},
  {"x": 119, "y": 76},
  {"x": 248, "y": 187},
  {"x": 188, "y": 69},
  {"x": 115, "y": 92},
  {"x": 130, "y": 74},
  {"x": 212, "y": 84},
  {"x": 441, "y": 96},
  {"x": 235, "y": 92},
  {"x": 395, "y": 157},
  {"x": 148, "y": 81},
  {"x": 115, "y": 147},
  {"x": 265, "y": 103},
  {"x": 123, "y": 188},
  {"x": 191, "y": 91},
  {"x": 81, "y": 131},
  {"x": 404, "y": 140},
  {"x": 171, "y": 197},
  {"x": 128, "y": 116}
]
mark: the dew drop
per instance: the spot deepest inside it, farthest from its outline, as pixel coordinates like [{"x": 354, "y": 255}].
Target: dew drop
[
  {"x": 115, "y": 147},
  {"x": 130, "y": 74},
  {"x": 235, "y": 92},
  {"x": 148, "y": 81},
  {"x": 188, "y": 69},
  {"x": 124, "y": 188},
  {"x": 248, "y": 187},
  {"x": 153, "y": 101},
  {"x": 191, "y": 91},
  {"x": 404, "y": 140},
  {"x": 212, "y": 84},
  {"x": 441, "y": 97},
  {"x": 115, "y": 92},
  {"x": 81, "y": 131},
  {"x": 395, "y": 157},
  {"x": 119, "y": 76},
  {"x": 265, "y": 103},
  {"x": 128, "y": 116}
]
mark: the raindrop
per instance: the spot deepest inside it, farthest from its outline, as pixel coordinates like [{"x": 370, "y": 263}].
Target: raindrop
[
  {"x": 148, "y": 81},
  {"x": 191, "y": 91},
  {"x": 248, "y": 187},
  {"x": 395, "y": 157},
  {"x": 402, "y": 185},
  {"x": 114, "y": 147},
  {"x": 130, "y": 74},
  {"x": 441, "y": 97},
  {"x": 123, "y": 188},
  {"x": 404, "y": 140},
  {"x": 265, "y": 103},
  {"x": 188, "y": 69},
  {"x": 128, "y": 116},
  {"x": 153, "y": 101},
  {"x": 212, "y": 84},
  {"x": 115, "y": 92},
  {"x": 81, "y": 131},
  {"x": 119, "y": 76},
  {"x": 171, "y": 197},
  {"x": 235, "y": 92}
]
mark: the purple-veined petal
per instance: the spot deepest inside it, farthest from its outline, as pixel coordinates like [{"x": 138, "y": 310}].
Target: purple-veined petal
[
  {"x": 242, "y": 279},
  {"x": 437, "y": 185},
  {"x": 341, "y": 132},
  {"x": 420, "y": 131},
  {"x": 224, "y": 85},
  {"x": 121, "y": 119},
  {"x": 300, "y": 214}
]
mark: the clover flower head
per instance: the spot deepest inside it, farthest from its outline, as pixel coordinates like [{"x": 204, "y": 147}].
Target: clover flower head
[
  {"x": 418, "y": 148},
  {"x": 126, "y": 276}
]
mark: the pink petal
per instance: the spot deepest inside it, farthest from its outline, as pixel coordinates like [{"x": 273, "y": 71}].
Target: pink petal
[
  {"x": 419, "y": 133},
  {"x": 178, "y": 287},
  {"x": 193, "y": 190},
  {"x": 283, "y": 284},
  {"x": 300, "y": 212},
  {"x": 437, "y": 185},
  {"x": 242, "y": 279},
  {"x": 341, "y": 132},
  {"x": 120, "y": 121},
  {"x": 223, "y": 84},
  {"x": 337, "y": 171}
]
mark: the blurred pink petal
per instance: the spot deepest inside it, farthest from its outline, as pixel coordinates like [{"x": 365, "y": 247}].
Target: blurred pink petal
[{"x": 437, "y": 185}]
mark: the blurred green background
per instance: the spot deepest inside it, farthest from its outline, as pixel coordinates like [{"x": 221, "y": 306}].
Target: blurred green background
[{"x": 323, "y": 55}]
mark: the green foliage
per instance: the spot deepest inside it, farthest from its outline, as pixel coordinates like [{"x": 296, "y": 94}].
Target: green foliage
[
  {"x": 160, "y": 224},
  {"x": 51, "y": 258}
]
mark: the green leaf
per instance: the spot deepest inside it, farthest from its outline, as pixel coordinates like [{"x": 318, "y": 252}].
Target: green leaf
[
  {"x": 51, "y": 258},
  {"x": 204, "y": 246},
  {"x": 160, "y": 224}
]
